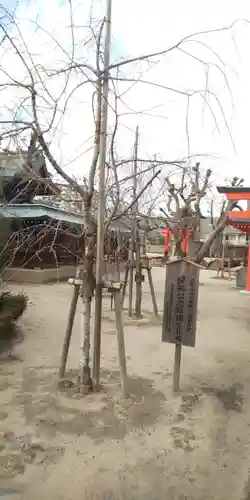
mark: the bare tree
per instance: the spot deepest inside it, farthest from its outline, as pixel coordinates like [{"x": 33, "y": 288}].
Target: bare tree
[
  {"x": 184, "y": 212},
  {"x": 221, "y": 218},
  {"x": 42, "y": 98}
]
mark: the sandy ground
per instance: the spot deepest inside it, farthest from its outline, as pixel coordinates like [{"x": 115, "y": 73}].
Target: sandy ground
[{"x": 152, "y": 446}]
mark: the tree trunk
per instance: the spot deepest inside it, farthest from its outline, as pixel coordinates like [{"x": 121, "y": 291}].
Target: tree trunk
[
  {"x": 194, "y": 243},
  {"x": 211, "y": 239},
  {"x": 86, "y": 384},
  {"x": 178, "y": 246},
  {"x": 89, "y": 284}
]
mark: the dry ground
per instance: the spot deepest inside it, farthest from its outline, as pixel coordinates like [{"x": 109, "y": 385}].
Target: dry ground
[{"x": 153, "y": 446}]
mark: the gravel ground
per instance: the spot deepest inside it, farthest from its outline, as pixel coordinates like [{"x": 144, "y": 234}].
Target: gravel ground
[{"x": 154, "y": 445}]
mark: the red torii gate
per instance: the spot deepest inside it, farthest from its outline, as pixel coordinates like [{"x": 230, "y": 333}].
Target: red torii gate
[
  {"x": 239, "y": 219},
  {"x": 167, "y": 233}
]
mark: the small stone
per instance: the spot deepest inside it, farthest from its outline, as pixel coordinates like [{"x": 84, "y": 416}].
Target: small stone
[
  {"x": 180, "y": 416},
  {"x": 2, "y": 441},
  {"x": 65, "y": 384},
  {"x": 29, "y": 456},
  {"x": 36, "y": 445},
  {"x": 9, "y": 435}
]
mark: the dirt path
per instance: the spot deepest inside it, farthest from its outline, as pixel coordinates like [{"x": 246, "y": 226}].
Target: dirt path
[{"x": 152, "y": 446}]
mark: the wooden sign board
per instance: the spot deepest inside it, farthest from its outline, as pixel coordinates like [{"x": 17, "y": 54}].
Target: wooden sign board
[{"x": 180, "y": 302}]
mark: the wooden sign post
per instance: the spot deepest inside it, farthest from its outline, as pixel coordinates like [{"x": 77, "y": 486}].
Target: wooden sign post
[{"x": 180, "y": 309}]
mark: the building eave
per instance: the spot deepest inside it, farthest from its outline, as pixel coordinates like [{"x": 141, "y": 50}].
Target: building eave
[{"x": 38, "y": 211}]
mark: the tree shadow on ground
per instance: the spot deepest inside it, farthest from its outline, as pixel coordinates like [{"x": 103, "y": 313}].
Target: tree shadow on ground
[
  {"x": 101, "y": 416},
  {"x": 8, "y": 340}
]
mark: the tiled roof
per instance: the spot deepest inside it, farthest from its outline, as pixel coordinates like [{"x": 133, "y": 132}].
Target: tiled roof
[{"x": 28, "y": 211}]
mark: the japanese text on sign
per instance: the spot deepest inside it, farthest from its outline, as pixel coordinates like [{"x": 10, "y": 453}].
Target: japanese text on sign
[{"x": 180, "y": 303}]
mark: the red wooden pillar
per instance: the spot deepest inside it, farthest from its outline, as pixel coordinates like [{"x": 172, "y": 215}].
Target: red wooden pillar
[
  {"x": 185, "y": 243},
  {"x": 248, "y": 270},
  {"x": 166, "y": 234}
]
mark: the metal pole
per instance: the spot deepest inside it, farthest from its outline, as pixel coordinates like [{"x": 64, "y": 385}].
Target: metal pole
[{"x": 101, "y": 204}]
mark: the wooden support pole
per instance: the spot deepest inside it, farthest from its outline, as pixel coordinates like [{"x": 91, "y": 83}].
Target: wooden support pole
[
  {"x": 223, "y": 256},
  {"x": 138, "y": 284},
  {"x": 101, "y": 201},
  {"x": 131, "y": 280},
  {"x": 69, "y": 328},
  {"x": 142, "y": 239},
  {"x": 125, "y": 282},
  {"x": 177, "y": 368},
  {"x": 152, "y": 291},
  {"x": 120, "y": 342},
  {"x": 138, "y": 273},
  {"x": 111, "y": 301},
  {"x": 229, "y": 268},
  {"x": 118, "y": 258}
]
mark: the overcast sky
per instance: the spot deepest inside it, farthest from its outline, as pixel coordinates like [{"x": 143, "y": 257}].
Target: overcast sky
[
  {"x": 145, "y": 26},
  {"x": 141, "y": 26}
]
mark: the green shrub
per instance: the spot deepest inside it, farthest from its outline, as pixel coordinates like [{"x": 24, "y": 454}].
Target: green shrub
[{"x": 11, "y": 308}]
